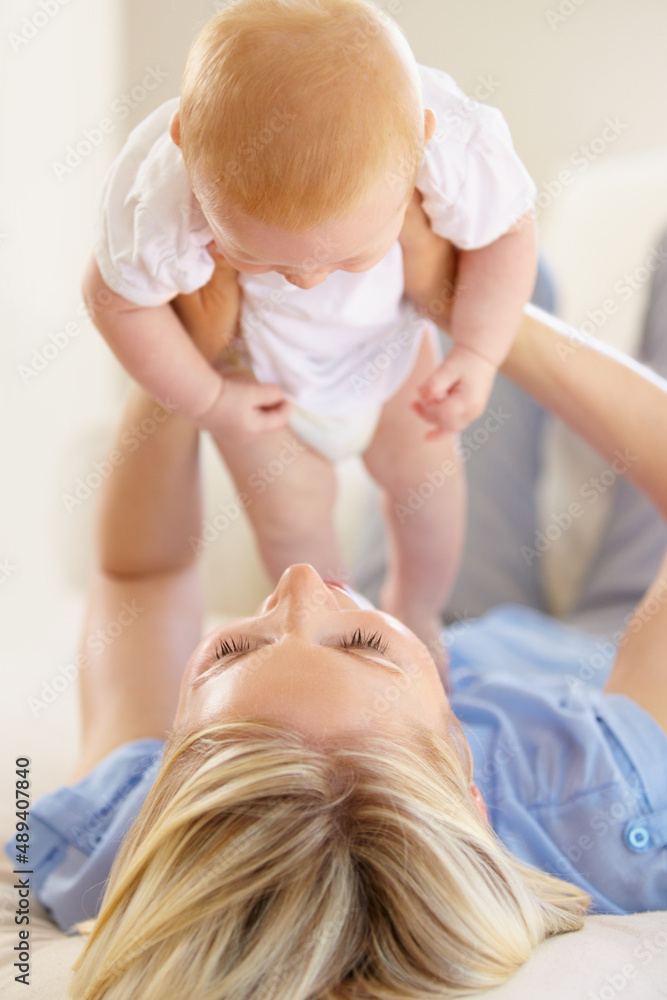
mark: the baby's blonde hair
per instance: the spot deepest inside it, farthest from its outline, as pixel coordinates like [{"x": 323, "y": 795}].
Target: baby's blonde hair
[
  {"x": 263, "y": 866},
  {"x": 292, "y": 110}
]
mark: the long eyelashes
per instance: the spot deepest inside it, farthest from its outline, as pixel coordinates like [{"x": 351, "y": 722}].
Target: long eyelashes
[
  {"x": 227, "y": 646},
  {"x": 359, "y": 638},
  {"x": 370, "y": 640}
]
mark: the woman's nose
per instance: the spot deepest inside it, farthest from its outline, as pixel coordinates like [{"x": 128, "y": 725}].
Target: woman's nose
[{"x": 302, "y": 592}]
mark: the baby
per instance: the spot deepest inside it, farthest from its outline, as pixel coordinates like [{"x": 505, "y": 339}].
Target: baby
[{"x": 304, "y": 146}]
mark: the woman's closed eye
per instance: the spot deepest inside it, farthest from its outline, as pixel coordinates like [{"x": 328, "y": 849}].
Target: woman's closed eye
[
  {"x": 369, "y": 640},
  {"x": 231, "y": 645},
  {"x": 359, "y": 639},
  {"x": 231, "y": 649}
]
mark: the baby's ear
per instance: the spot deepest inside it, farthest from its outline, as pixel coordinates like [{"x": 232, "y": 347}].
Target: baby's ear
[
  {"x": 175, "y": 129},
  {"x": 429, "y": 125}
]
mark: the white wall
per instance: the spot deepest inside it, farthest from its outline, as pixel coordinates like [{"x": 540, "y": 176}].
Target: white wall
[{"x": 559, "y": 77}]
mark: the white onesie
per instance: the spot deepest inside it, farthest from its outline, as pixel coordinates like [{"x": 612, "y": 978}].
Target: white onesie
[{"x": 339, "y": 350}]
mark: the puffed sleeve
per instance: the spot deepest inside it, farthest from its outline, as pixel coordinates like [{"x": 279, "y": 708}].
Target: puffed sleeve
[
  {"x": 150, "y": 233},
  {"x": 474, "y": 186}
]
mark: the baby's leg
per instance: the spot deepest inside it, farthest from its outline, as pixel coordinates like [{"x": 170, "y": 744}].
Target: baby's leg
[
  {"x": 424, "y": 505},
  {"x": 503, "y": 452},
  {"x": 290, "y": 491}
]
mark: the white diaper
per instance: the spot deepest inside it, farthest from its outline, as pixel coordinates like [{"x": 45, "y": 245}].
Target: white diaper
[{"x": 335, "y": 437}]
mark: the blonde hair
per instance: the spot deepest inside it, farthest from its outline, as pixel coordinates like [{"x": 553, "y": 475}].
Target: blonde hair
[
  {"x": 291, "y": 110},
  {"x": 264, "y": 866}
]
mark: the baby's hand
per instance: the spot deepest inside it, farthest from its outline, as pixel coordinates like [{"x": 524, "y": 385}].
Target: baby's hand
[
  {"x": 246, "y": 407},
  {"x": 457, "y": 392}
]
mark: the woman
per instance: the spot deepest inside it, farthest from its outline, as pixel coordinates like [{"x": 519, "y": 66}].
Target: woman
[{"x": 313, "y": 826}]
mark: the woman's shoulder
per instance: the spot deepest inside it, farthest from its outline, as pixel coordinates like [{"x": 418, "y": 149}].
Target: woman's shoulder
[
  {"x": 513, "y": 676},
  {"x": 572, "y": 776},
  {"x": 532, "y": 642},
  {"x": 517, "y": 684},
  {"x": 76, "y": 830}
]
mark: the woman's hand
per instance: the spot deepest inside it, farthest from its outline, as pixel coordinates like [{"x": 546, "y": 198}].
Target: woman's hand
[
  {"x": 211, "y": 314},
  {"x": 429, "y": 265},
  {"x": 416, "y": 232}
]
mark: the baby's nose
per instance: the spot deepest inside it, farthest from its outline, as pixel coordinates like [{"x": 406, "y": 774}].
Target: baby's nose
[{"x": 307, "y": 280}]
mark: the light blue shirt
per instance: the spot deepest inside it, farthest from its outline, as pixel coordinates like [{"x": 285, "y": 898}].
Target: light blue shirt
[{"x": 575, "y": 780}]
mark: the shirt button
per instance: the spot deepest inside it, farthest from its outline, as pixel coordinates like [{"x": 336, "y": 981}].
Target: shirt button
[{"x": 638, "y": 838}]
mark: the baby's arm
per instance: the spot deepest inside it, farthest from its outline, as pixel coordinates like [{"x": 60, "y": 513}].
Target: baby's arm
[
  {"x": 493, "y": 284},
  {"x": 154, "y": 347}
]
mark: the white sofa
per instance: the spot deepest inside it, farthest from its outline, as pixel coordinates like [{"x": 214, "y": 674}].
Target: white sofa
[{"x": 601, "y": 228}]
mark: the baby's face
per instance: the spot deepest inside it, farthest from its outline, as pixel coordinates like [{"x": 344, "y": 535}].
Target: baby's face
[{"x": 355, "y": 244}]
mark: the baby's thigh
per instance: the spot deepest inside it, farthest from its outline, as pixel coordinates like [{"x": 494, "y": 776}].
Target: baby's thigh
[
  {"x": 281, "y": 482},
  {"x": 399, "y": 453}
]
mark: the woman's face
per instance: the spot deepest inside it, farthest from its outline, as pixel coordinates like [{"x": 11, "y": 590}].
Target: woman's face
[{"x": 314, "y": 659}]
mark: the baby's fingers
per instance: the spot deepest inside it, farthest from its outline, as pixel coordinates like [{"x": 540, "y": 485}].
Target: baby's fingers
[
  {"x": 448, "y": 416},
  {"x": 264, "y": 395},
  {"x": 438, "y": 385}
]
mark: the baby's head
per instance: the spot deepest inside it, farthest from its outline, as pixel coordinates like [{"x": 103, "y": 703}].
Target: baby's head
[{"x": 302, "y": 128}]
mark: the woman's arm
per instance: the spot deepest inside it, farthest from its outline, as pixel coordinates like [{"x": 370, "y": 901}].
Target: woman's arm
[
  {"x": 614, "y": 403},
  {"x": 620, "y": 407},
  {"x": 144, "y": 608},
  {"x": 151, "y": 502},
  {"x": 430, "y": 264}
]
